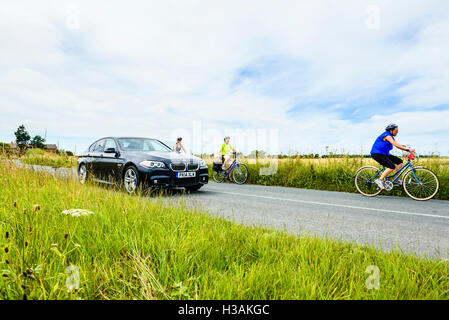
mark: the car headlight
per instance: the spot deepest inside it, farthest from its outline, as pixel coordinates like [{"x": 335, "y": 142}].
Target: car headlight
[
  {"x": 152, "y": 164},
  {"x": 202, "y": 163}
]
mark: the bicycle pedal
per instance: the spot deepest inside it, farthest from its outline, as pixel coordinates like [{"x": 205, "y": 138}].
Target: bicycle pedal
[{"x": 388, "y": 185}]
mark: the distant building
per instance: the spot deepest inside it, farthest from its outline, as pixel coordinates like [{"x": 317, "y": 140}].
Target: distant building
[
  {"x": 51, "y": 148},
  {"x": 13, "y": 146}
]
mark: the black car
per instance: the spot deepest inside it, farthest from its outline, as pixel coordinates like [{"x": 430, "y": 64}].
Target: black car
[{"x": 136, "y": 162}]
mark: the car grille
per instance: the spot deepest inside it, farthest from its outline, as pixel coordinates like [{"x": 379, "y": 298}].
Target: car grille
[
  {"x": 192, "y": 166},
  {"x": 181, "y": 166},
  {"x": 178, "y": 166}
]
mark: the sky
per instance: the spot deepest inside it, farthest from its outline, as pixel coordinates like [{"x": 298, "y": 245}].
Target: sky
[{"x": 282, "y": 76}]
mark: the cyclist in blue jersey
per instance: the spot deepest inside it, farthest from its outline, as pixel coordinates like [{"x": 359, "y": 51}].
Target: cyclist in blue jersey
[{"x": 381, "y": 152}]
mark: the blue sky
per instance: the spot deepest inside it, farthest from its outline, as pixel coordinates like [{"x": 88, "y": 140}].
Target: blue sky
[{"x": 307, "y": 74}]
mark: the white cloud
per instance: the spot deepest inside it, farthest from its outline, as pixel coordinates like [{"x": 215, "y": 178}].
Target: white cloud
[{"x": 153, "y": 68}]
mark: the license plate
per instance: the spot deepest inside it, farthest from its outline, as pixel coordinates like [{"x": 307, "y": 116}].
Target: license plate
[{"x": 185, "y": 174}]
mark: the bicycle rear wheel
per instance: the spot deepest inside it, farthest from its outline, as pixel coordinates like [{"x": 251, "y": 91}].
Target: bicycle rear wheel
[
  {"x": 240, "y": 173},
  {"x": 364, "y": 181},
  {"x": 422, "y": 187}
]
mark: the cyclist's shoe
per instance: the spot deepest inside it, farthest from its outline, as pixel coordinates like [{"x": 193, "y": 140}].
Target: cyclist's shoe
[{"x": 380, "y": 184}]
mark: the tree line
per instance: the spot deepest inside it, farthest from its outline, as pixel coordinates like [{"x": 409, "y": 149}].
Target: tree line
[{"x": 25, "y": 141}]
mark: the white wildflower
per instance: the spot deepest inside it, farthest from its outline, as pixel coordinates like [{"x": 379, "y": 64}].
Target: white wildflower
[{"x": 77, "y": 212}]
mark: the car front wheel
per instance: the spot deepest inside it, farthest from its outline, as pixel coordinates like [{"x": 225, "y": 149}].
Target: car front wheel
[{"x": 131, "y": 179}]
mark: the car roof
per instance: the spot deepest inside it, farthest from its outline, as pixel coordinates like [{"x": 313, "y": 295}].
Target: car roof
[
  {"x": 133, "y": 138},
  {"x": 115, "y": 137}
]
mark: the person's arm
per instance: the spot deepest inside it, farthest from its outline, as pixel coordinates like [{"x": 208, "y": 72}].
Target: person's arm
[
  {"x": 396, "y": 144},
  {"x": 182, "y": 146},
  {"x": 174, "y": 147}
]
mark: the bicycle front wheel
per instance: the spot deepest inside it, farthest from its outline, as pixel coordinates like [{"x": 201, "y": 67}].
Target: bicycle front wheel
[
  {"x": 218, "y": 176},
  {"x": 421, "y": 186},
  {"x": 240, "y": 173},
  {"x": 364, "y": 181}
]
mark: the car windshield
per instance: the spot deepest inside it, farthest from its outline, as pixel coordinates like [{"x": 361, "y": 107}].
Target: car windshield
[{"x": 141, "y": 144}]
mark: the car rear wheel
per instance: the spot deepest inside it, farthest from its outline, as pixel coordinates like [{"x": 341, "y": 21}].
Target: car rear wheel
[
  {"x": 82, "y": 174},
  {"x": 131, "y": 179}
]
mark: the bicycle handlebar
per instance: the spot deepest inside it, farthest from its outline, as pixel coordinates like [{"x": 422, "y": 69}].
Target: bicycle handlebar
[{"x": 412, "y": 154}]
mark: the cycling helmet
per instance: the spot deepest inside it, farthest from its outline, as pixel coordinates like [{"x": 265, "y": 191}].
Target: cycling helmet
[
  {"x": 391, "y": 126},
  {"x": 227, "y": 137}
]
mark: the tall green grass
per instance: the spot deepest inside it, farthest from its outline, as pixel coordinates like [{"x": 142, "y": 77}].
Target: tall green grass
[
  {"x": 135, "y": 247},
  {"x": 333, "y": 174},
  {"x": 43, "y": 158}
]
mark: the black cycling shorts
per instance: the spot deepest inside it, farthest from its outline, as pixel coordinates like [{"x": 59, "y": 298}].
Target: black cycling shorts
[{"x": 389, "y": 161}]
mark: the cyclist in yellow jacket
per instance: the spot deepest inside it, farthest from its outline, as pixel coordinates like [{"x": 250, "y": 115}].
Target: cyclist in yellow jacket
[{"x": 225, "y": 152}]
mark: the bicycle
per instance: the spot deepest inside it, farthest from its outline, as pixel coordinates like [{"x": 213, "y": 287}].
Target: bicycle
[
  {"x": 238, "y": 170},
  {"x": 419, "y": 183}
]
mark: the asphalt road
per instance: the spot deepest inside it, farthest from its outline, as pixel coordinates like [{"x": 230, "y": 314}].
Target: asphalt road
[
  {"x": 388, "y": 222},
  {"x": 383, "y": 221}
]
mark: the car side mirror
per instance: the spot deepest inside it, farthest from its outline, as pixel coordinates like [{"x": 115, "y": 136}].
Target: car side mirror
[{"x": 110, "y": 150}]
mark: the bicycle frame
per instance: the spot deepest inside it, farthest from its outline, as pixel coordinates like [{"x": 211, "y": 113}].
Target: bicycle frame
[
  {"x": 231, "y": 167},
  {"x": 396, "y": 175}
]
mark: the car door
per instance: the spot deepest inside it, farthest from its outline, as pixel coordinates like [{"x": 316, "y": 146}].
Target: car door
[
  {"x": 108, "y": 163},
  {"x": 95, "y": 155},
  {"x": 88, "y": 159}
]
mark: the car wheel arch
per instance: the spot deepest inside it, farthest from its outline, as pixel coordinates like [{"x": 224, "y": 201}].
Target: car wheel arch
[
  {"x": 81, "y": 163},
  {"x": 126, "y": 166}
]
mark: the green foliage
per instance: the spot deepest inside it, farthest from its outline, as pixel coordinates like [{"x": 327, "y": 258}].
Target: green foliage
[
  {"x": 41, "y": 157},
  {"x": 38, "y": 142},
  {"x": 22, "y": 137},
  {"x": 5, "y": 149},
  {"x": 34, "y": 152},
  {"x": 133, "y": 247}
]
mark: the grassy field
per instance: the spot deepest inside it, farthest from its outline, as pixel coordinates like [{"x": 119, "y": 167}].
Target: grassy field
[
  {"x": 41, "y": 157},
  {"x": 333, "y": 174},
  {"x": 131, "y": 247}
]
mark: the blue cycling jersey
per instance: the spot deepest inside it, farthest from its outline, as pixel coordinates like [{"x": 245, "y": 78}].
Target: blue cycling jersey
[{"x": 382, "y": 147}]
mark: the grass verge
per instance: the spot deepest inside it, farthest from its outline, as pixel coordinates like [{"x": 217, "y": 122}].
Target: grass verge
[
  {"x": 43, "y": 158},
  {"x": 135, "y": 248}
]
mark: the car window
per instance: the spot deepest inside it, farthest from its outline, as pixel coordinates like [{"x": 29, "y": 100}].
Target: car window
[
  {"x": 140, "y": 144},
  {"x": 99, "y": 146},
  {"x": 157, "y": 146},
  {"x": 110, "y": 143},
  {"x": 92, "y": 147}
]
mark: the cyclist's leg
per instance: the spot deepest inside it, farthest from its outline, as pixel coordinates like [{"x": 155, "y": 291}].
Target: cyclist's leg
[
  {"x": 388, "y": 169},
  {"x": 226, "y": 161},
  {"x": 386, "y": 162},
  {"x": 397, "y": 161}
]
